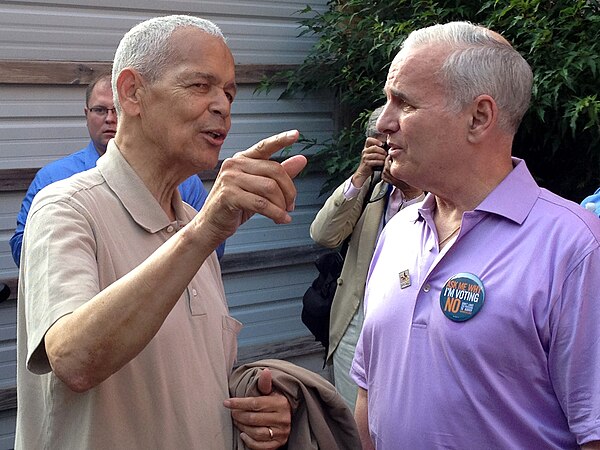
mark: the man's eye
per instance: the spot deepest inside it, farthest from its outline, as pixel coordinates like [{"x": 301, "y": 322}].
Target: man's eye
[
  {"x": 406, "y": 106},
  {"x": 99, "y": 110}
]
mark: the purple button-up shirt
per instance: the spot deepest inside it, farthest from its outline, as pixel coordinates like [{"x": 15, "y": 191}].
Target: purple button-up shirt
[{"x": 524, "y": 372}]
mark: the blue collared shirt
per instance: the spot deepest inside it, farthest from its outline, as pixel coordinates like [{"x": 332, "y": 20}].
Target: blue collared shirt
[
  {"x": 192, "y": 190},
  {"x": 592, "y": 202}
]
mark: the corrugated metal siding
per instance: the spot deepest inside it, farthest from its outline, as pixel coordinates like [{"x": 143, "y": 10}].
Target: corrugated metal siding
[
  {"x": 39, "y": 124},
  {"x": 257, "y": 31},
  {"x": 33, "y": 141},
  {"x": 7, "y": 428},
  {"x": 10, "y": 203},
  {"x": 268, "y": 302}
]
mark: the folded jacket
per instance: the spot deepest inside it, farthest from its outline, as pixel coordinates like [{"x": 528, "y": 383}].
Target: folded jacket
[{"x": 320, "y": 417}]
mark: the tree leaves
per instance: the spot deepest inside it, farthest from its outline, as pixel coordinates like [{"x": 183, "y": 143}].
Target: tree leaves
[{"x": 559, "y": 136}]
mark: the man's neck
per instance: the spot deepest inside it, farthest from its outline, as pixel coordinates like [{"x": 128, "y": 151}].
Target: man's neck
[{"x": 161, "y": 184}]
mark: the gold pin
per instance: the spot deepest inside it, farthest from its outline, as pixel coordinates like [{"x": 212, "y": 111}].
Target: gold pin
[{"x": 404, "y": 279}]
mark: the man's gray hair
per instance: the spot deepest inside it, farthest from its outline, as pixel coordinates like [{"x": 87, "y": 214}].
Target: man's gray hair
[
  {"x": 147, "y": 47},
  {"x": 371, "y": 130},
  {"x": 482, "y": 62}
]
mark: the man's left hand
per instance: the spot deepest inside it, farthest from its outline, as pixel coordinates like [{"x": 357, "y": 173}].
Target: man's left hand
[{"x": 265, "y": 421}]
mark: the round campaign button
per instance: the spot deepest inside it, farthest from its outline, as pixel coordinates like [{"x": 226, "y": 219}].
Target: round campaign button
[{"x": 462, "y": 297}]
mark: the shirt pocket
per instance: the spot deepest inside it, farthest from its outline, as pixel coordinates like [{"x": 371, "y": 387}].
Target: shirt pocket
[{"x": 231, "y": 328}]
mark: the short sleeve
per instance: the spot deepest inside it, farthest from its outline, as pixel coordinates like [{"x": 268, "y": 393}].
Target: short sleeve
[
  {"x": 357, "y": 370},
  {"x": 59, "y": 270},
  {"x": 574, "y": 354}
]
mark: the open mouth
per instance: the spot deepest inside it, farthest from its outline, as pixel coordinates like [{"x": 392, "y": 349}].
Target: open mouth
[{"x": 215, "y": 137}]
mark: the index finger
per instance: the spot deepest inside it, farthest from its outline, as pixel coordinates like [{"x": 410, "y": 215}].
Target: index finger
[
  {"x": 265, "y": 148},
  {"x": 373, "y": 141},
  {"x": 250, "y": 404}
]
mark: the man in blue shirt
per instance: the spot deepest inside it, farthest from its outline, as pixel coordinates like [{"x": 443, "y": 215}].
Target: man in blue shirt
[
  {"x": 592, "y": 202},
  {"x": 101, "y": 119}
]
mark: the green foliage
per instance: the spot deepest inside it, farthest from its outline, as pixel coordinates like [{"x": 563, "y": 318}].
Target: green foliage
[{"x": 560, "y": 135}]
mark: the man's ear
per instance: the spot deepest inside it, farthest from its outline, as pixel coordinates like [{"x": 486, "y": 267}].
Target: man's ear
[
  {"x": 129, "y": 87},
  {"x": 483, "y": 119}
]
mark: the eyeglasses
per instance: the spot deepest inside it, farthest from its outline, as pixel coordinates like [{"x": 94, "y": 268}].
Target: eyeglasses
[{"x": 102, "y": 111}]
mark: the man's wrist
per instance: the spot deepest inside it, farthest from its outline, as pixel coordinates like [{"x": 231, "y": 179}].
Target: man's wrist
[
  {"x": 358, "y": 180},
  {"x": 350, "y": 190}
]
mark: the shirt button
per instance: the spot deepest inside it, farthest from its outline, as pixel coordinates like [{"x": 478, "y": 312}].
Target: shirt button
[
  {"x": 340, "y": 281},
  {"x": 427, "y": 288},
  {"x": 170, "y": 229},
  {"x": 194, "y": 292}
]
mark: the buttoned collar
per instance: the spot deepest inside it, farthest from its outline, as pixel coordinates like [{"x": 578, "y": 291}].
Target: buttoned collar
[
  {"x": 133, "y": 193},
  {"x": 513, "y": 198}
]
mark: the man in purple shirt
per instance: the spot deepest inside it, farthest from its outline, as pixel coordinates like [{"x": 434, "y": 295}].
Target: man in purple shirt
[{"x": 483, "y": 332}]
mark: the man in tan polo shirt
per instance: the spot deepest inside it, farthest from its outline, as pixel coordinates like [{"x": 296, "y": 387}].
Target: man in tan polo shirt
[{"x": 124, "y": 336}]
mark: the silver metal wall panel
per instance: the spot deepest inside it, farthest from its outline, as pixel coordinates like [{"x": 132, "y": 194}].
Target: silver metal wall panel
[
  {"x": 268, "y": 302},
  {"x": 39, "y": 124},
  {"x": 7, "y": 429},
  {"x": 43, "y": 123},
  {"x": 258, "y": 32},
  {"x": 55, "y": 127},
  {"x": 10, "y": 203}
]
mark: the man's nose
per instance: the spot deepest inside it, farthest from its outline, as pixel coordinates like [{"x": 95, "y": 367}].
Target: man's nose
[
  {"x": 221, "y": 105},
  {"x": 111, "y": 115},
  {"x": 386, "y": 123}
]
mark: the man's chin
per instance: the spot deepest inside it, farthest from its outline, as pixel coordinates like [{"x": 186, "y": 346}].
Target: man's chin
[
  {"x": 208, "y": 164},
  {"x": 105, "y": 141},
  {"x": 394, "y": 171}
]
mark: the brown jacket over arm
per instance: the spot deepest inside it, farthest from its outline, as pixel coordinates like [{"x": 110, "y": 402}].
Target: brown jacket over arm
[{"x": 320, "y": 417}]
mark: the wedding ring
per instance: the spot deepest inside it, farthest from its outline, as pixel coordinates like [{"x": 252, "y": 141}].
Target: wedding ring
[{"x": 270, "y": 433}]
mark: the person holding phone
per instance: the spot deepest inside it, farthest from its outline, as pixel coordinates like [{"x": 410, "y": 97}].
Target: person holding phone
[{"x": 343, "y": 214}]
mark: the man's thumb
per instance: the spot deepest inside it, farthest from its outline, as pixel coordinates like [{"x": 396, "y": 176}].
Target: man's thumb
[
  {"x": 265, "y": 382},
  {"x": 294, "y": 165}
]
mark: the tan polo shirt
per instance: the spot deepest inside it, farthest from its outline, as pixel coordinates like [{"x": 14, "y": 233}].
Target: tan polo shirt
[{"x": 82, "y": 234}]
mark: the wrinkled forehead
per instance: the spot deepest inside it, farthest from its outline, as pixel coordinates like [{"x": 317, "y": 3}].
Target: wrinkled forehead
[
  {"x": 418, "y": 62},
  {"x": 190, "y": 41},
  {"x": 196, "y": 50}
]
